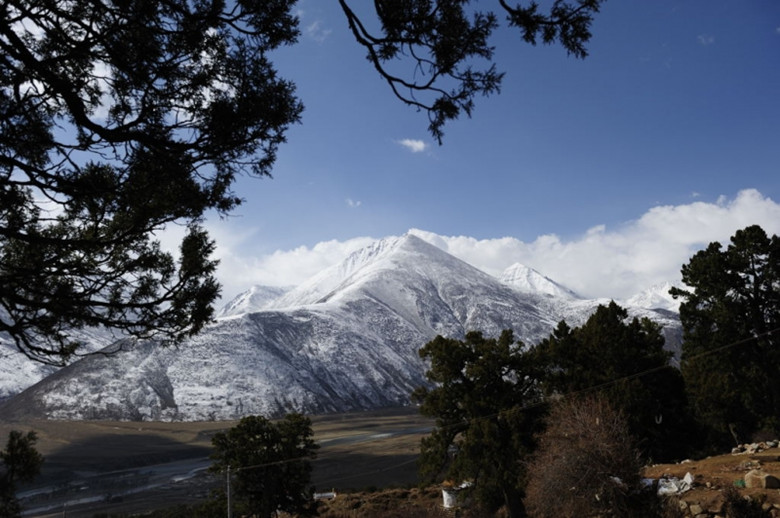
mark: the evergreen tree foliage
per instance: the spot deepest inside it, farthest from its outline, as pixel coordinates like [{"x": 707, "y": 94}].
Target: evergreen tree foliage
[
  {"x": 625, "y": 361},
  {"x": 269, "y": 462},
  {"x": 731, "y": 333},
  {"x": 119, "y": 119},
  {"x": 21, "y": 463},
  {"x": 427, "y": 51},
  {"x": 483, "y": 429}
]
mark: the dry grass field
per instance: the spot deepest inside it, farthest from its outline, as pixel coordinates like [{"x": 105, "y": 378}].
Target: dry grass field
[{"x": 99, "y": 467}]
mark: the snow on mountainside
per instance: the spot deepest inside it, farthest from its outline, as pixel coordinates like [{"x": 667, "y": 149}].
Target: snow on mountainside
[
  {"x": 346, "y": 340},
  {"x": 322, "y": 284},
  {"x": 529, "y": 280},
  {"x": 254, "y": 299},
  {"x": 655, "y": 297},
  {"x": 18, "y": 372}
]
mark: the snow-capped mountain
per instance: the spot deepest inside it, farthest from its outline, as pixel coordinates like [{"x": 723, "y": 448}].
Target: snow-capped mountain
[
  {"x": 254, "y": 299},
  {"x": 656, "y": 297},
  {"x": 529, "y": 280},
  {"x": 18, "y": 372},
  {"x": 323, "y": 284},
  {"x": 345, "y": 340}
]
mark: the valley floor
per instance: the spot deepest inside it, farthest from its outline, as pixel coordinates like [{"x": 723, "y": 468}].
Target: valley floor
[{"x": 133, "y": 467}]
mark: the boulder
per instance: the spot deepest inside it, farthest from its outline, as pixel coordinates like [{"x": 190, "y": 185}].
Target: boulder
[{"x": 758, "y": 479}]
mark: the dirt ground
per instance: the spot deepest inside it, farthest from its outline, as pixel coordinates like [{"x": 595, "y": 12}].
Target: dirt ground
[{"x": 714, "y": 474}]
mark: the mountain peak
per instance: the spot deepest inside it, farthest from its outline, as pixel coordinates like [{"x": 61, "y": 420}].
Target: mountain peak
[
  {"x": 528, "y": 280},
  {"x": 254, "y": 299},
  {"x": 656, "y": 297},
  {"x": 319, "y": 287}
]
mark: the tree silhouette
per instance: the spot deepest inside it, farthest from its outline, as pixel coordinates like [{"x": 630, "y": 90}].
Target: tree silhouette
[
  {"x": 624, "y": 360},
  {"x": 427, "y": 51},
  {"x": 731, "y": 335},
  {"x": 21, "y": 463},
  {"x": 119, "y": 119},
  {"x": 270, "y": 462},
  {"x": 482, "y": 431}
]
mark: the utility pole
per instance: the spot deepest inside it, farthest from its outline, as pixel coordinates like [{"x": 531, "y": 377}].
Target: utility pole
[{"x": 229, "y": 512}]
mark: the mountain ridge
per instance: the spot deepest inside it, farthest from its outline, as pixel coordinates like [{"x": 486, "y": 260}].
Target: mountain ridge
[{"x": 349, "y": 341}]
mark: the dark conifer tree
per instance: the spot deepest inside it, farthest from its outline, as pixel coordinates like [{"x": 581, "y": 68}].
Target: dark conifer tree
[
  {"x": 483, "y": 429},
  {"x": 625, "y": 361},
  {"x": 21, "y": 463},
  {"x": 269, "y": 462},
  {"x": 731, "y": 326}
]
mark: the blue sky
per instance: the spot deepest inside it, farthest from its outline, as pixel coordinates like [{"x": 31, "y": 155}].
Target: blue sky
[{"x": 674, "y": 117}]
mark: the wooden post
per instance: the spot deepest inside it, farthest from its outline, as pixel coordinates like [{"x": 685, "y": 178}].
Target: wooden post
[{"x": 229, "y": 512}]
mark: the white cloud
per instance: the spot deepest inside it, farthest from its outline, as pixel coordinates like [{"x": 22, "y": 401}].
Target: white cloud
[
  {"x": 601, "y": 262},
  {"x": 413, "y": 145},
  {"x": 618, "y": 263},
  {"x": 706, "y": 39},
  {"x": 238, "y": 270},
  {"x": 316, "y": 32},
  {"x": 353, "y": 204}
]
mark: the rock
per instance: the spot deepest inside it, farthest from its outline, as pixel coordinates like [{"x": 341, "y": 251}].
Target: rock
[
  {"x": 758, "y": 479},
  {"x": 695, "y": 509}
]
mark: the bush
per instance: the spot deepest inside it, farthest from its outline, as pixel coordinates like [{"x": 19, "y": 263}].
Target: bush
[
  {"x": 738, "y": 506},
  {"x": 586, "y": 463}
]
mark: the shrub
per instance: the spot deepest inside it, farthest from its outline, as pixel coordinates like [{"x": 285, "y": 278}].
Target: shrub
[
  {"x": 586, "y": 463},
  {"x": 738, "y": 506}
]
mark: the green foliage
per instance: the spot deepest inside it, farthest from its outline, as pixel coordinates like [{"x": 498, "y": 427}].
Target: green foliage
[
  {"x": 482, "y": 430},
  {"x": 731, "y": 326},
  {"x": 625, "y": 361},
  {"x": 269, "y": 463},
  {"x": 21, "y": 463}
]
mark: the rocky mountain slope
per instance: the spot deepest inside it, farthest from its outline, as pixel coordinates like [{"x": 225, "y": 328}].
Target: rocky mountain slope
[
  {"x": 256, "y": 298},
  {"x": 345, "y": 340}
]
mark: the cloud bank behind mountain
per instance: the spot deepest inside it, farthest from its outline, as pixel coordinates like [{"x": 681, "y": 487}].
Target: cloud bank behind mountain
[{"x": 615, "y": 262}]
